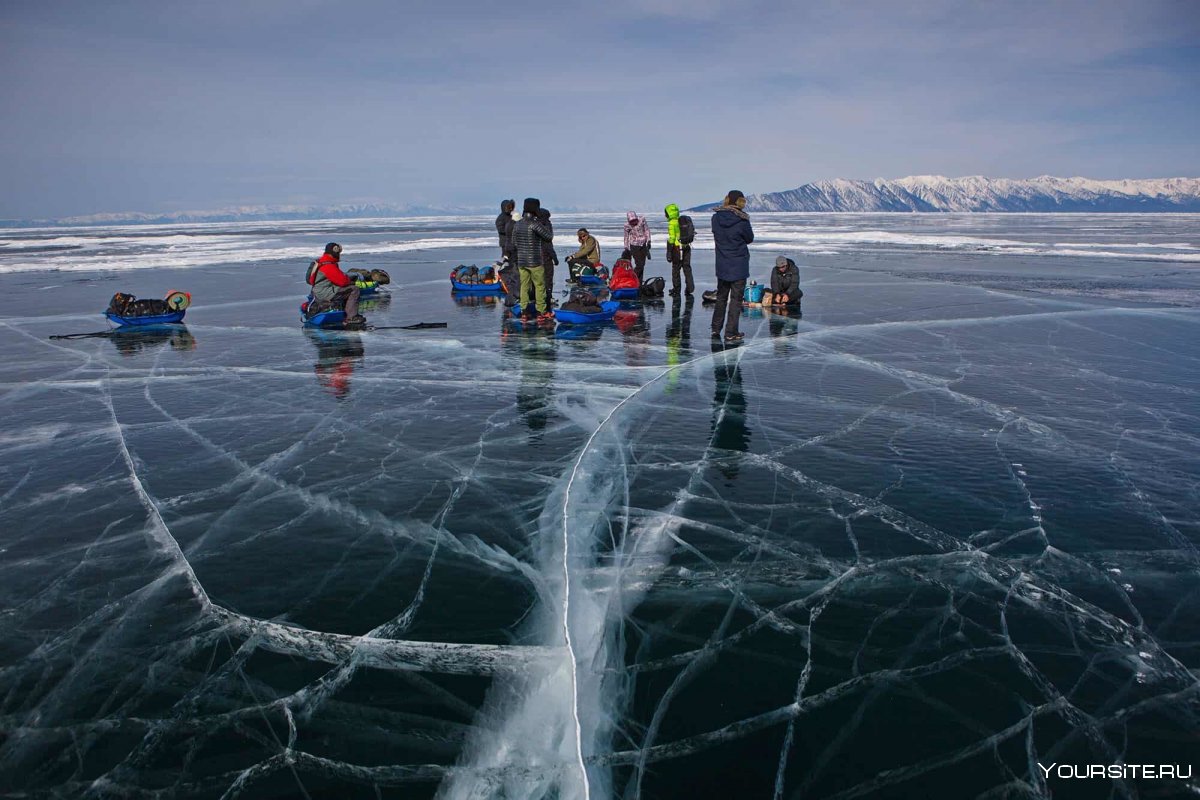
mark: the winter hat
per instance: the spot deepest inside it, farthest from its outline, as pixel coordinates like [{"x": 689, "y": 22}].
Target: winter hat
[
  {"x": 333, "y": 249},
  {"x": 543, "y": 213},
  {"x": 632, "y": 217},
  {"x": 780, "y": 261},
  {"x": 507, "y": 206},
  {"x": 531, "y": 206},
  {"x": 732, "y": 198}
]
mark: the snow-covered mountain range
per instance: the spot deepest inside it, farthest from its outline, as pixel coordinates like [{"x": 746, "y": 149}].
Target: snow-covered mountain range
[{"x": 938, "y": 193}]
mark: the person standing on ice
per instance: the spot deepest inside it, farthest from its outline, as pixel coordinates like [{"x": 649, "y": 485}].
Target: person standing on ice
[
  {"x": 506, "y": 267},
  {"x": 637, "y": 241},
  {"x": 549, "y": 257},
  {"x": 528, "y": 236},
  {"x": 504, "y": 225},
  {"x": 679, "y": 252},
  {"x": 333, "y": 287},
  {"x": 732, "y": 235}
]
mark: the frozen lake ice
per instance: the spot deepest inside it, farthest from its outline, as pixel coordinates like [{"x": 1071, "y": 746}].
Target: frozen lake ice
[{"x": 935, "y": 531}]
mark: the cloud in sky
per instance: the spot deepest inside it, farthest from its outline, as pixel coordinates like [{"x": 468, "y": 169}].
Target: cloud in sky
[{"x": 158, "y": 106}]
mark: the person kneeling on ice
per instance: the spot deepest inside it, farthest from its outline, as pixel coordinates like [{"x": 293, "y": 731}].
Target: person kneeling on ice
[
  {"x": 332, "y": 288},
  {"x": 785, "y": 284},
  {"x": 588, "y": 254}
]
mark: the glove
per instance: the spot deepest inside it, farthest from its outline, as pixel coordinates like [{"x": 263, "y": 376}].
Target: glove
[{"x": 649, "y": 254}]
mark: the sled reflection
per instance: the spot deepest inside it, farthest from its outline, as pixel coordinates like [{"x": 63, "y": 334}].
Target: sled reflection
[{"x": 136, "y": 340}]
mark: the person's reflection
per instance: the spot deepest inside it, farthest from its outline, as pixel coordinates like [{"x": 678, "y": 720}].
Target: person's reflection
[
  {"x": 635, "y": 334},
  {"x": 538, "y": 356},
  {"x": 132, "y": 342},
  {"x": 729, "y": 431},
  {"x": 783, "y": 325},
  {"x": 338, "y": 353},
  {"x": 679, "y": 339}
]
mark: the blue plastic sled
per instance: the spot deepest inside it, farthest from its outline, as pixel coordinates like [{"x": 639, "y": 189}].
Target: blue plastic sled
[
  {"x": 628, "y": 293},
  {"x": 325, "y": 319},
  {"x": 157, "y": 319},
  {"x": 608, "y": 310},
  {"x": 477, "y": 288}
]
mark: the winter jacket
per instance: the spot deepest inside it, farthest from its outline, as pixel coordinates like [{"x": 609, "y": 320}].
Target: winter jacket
[
  {"x": 732, "y": 234},
  {"x": 787, "y": 282},
  {"x": 528, "y": 236},
  {"x": 637, "y": 232},
  {"x": 590, "y": 249},
  {"x": 504, "y": 230},
  {"x": 672, "y": 224},
  {"x": 548, "y": 255},
  {"x": 329, "y": 278}
]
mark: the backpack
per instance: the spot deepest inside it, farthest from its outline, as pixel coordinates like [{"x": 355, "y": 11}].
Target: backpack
[
  {"x": 653, "y": 287},
  {"x": 623, "y": 277},
  {"x": 310, "y": 277},
  {"x": 687, "y": 230}
]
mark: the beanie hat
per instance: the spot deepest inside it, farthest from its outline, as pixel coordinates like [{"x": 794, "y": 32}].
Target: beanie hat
[
  {"x": 780, "y": 261},
  {"x": 333, "y": 249},
  {"x": 531, "y": 205}
]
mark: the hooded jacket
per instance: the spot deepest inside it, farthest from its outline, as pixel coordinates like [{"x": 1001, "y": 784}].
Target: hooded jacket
[
  {"x": 527, "y": 237},
  {"x": 672, "y": 212},
  {"x": 732, "y": 235},
  {"x": 637, "y": 231},
  {"x": 787, "y": 282},
  {"x": 502, "y": 229},
  {"x": 549, "y": 257}
]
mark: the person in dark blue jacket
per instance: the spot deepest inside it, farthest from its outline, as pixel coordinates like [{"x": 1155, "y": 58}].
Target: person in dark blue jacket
[{"x": 732, "y": 234}]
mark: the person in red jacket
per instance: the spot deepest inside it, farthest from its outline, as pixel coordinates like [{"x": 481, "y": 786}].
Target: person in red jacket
[{"x": 332, "y": 287}]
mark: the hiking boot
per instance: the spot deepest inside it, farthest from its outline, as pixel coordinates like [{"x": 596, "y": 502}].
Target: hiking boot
[
  {"x": 734, "y": 338},
  {"x": 716, "y": 334},
  {"x": 545, "y": 317},
  {"x": 675, "y": 293},
  {"x": 357, "y": 319}
]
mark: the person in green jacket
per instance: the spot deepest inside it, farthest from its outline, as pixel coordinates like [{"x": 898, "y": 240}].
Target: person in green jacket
[{"x": 679, "y": 255}]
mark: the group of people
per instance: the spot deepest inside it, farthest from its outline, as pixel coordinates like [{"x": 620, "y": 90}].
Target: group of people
[{"x": 528, "y": 259}]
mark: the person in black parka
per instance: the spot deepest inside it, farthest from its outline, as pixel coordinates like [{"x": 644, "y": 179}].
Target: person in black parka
[
  {"x": 785, "y": 283},
  {"x": 732, "y": 235},
  {"x": 549, "y": 257}
]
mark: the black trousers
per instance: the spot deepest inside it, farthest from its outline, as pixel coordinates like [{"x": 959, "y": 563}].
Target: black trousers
[
  {"x": 729, "y": 305},
  {"x": 639, "y": 253},
  {"x": 681, "y": 259}
]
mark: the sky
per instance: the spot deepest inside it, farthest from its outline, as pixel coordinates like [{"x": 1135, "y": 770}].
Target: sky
[{"x": 160, "y": 106}]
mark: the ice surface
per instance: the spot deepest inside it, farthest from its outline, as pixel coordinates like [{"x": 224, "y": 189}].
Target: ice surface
[{"x": 936, "y": 530}]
